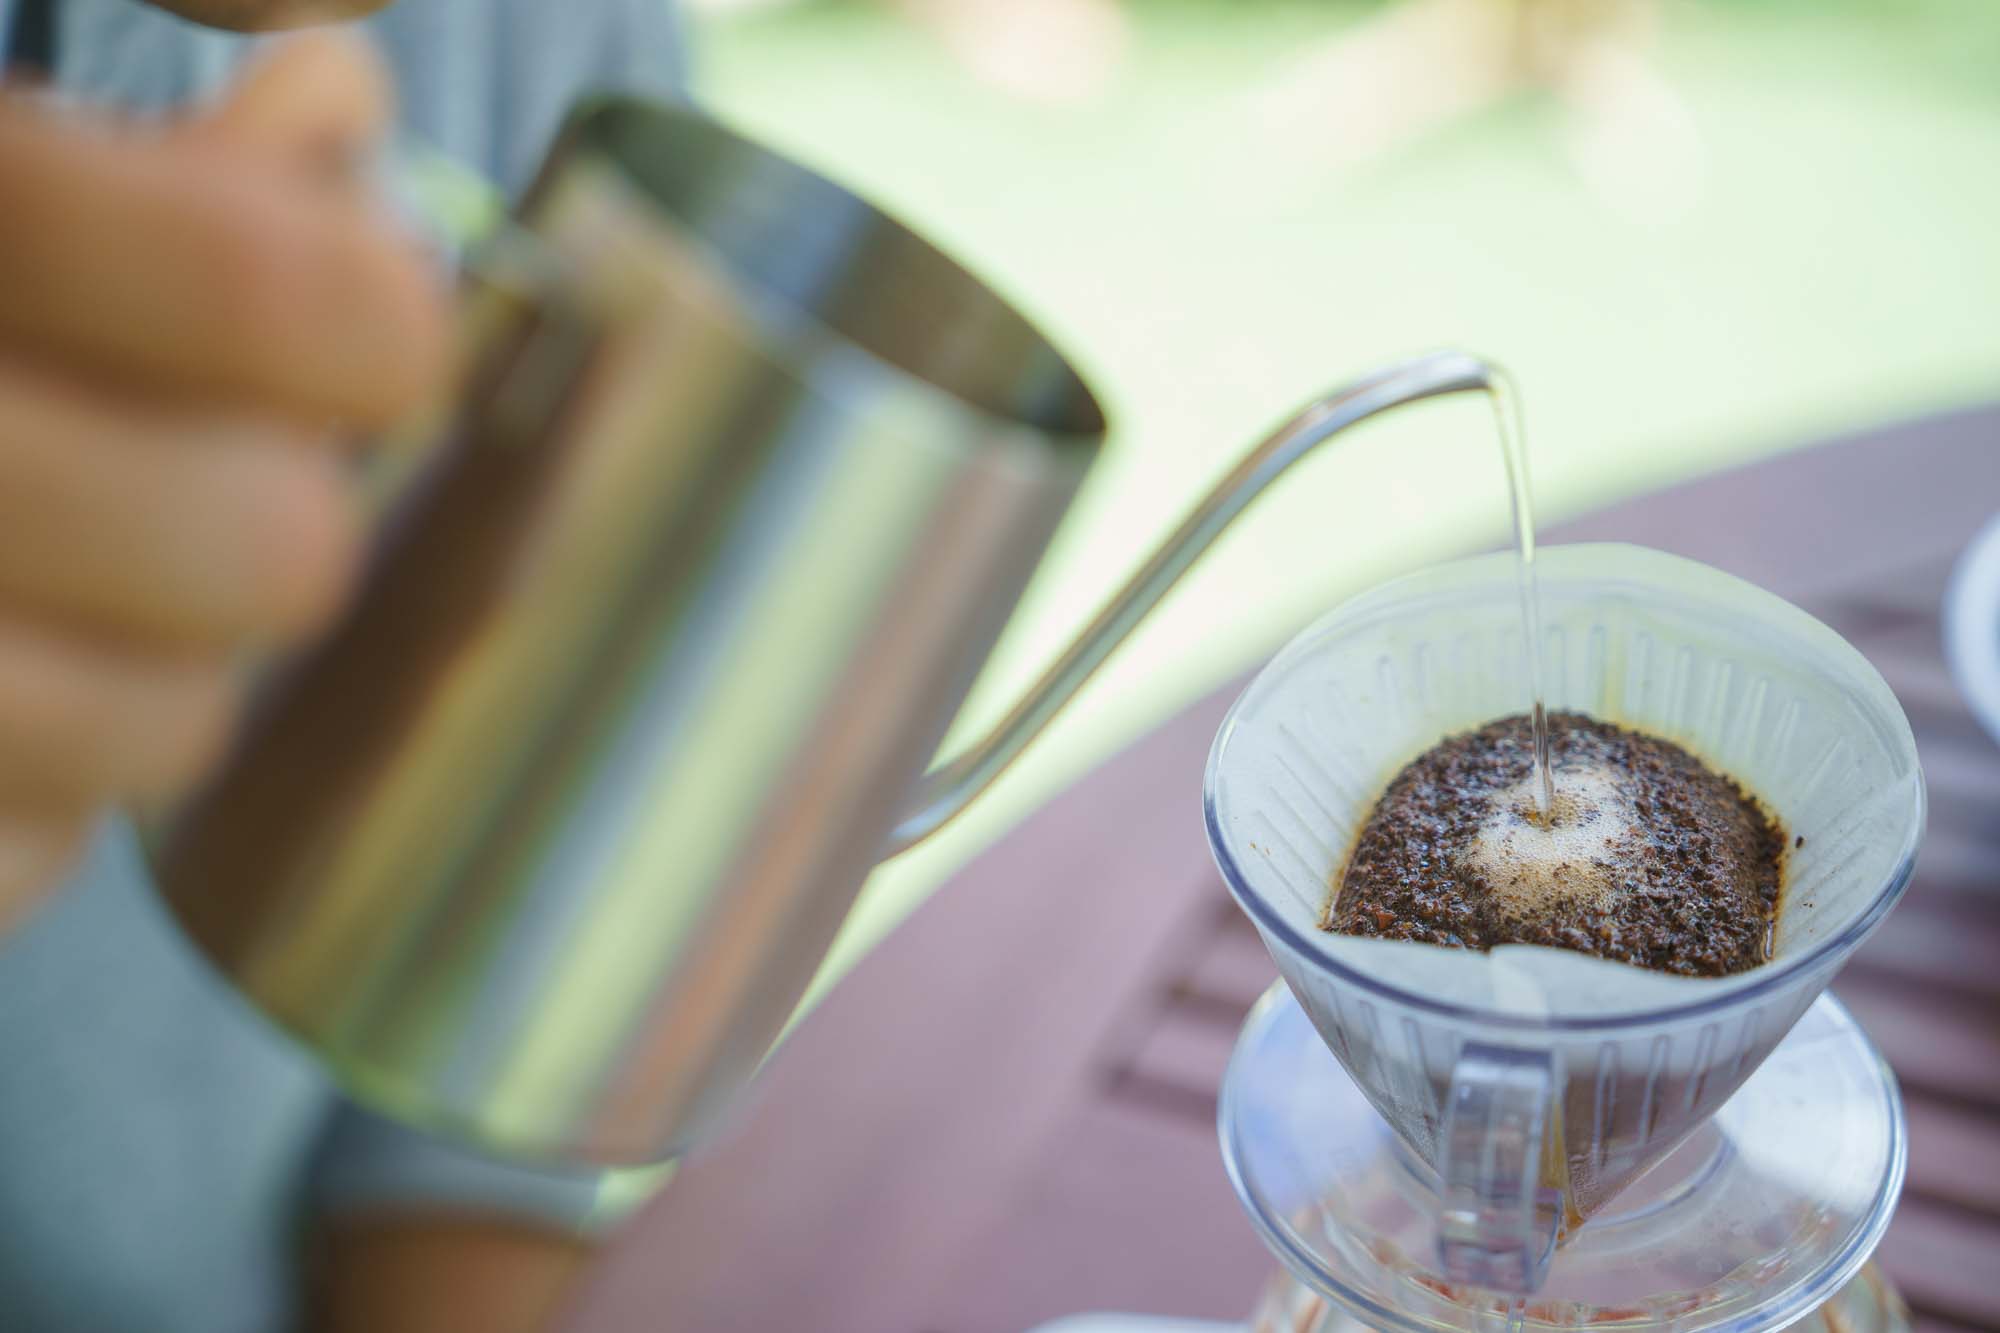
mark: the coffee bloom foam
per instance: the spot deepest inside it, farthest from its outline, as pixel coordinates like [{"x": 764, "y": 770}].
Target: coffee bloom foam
[{"x": 1573, "y": 862}]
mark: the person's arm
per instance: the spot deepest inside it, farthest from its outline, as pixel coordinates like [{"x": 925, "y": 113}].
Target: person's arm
[
  {"x": 440, "y": 1273},
  {"x": 414, "y": 1234}
]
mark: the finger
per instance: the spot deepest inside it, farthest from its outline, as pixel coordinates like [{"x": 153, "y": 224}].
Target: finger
[
  {"x": 37, "y": 851},
  {"x": 83, "y": 725},
  {"x": 168, "y": 527},
  {"x": 191, "y": 268},
  {"x": 319, "y": 98}
]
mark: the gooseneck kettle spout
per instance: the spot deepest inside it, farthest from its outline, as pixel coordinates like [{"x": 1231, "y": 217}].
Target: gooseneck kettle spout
[{"x": 947, "y": 788}]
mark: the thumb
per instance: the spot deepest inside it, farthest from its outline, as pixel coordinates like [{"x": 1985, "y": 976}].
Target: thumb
[{"x": 319, "y": 99}]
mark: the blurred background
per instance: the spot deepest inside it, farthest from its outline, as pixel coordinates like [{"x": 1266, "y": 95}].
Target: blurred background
[{"x": 1698, "y": 231}]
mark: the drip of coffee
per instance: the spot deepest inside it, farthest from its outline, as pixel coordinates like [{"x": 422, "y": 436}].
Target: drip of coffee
[{"x": 1644, "y": 855}]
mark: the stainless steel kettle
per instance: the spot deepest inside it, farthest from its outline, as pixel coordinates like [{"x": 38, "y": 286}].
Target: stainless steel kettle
[{"x": 543, "y": 843}]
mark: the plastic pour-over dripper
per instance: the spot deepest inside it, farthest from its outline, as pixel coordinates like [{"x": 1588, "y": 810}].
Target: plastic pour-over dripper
[{"x": 1537, "y": 1083}]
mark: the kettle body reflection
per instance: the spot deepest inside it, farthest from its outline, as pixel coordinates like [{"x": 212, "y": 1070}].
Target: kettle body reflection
[{"x": 541, "y": 845}]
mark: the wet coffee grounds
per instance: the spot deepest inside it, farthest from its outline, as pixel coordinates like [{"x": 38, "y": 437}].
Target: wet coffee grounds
[{"x": 1649, "y": 857}]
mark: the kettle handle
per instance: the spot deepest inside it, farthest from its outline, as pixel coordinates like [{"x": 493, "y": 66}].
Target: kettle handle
[{"x": 951, "y": 784}]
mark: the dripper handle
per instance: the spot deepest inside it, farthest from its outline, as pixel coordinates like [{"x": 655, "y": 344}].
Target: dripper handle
[{"x": 1499, "y": 1156}]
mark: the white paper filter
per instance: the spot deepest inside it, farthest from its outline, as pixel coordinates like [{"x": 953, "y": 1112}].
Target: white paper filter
[{"x": 1752, "y": 685}]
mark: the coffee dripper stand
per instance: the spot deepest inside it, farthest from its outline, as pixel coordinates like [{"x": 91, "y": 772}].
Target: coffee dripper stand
[{"x": 1764, "y": 1219}]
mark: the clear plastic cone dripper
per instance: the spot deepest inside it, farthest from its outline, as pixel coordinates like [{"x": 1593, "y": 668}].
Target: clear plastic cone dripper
[{"x": 1539, "y": 1082}]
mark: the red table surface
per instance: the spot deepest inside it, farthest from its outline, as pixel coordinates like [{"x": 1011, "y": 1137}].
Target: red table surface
[{"x": 1006, "y": 1113}]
